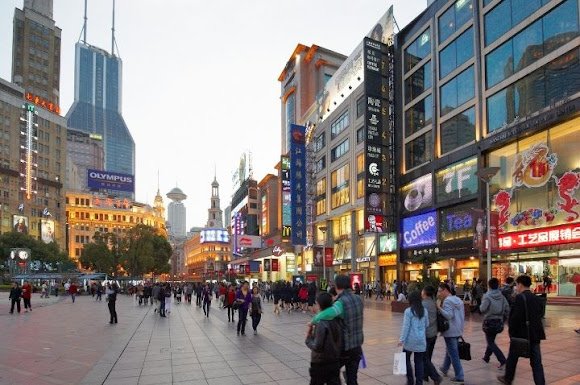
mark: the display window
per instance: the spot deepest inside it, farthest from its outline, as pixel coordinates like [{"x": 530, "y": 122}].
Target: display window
[{"x": 538, "y": 184}]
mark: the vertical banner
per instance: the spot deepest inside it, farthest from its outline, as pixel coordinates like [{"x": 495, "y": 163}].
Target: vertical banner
[
  {"x": 378, "y": 140},
  {"x": 298, "y": 183},
  {"x": 328, "y": 256},
  {"x": 275, "y": 264},
  {"x": 356, "y": 279},
  {"x": 286, "y": 198}
]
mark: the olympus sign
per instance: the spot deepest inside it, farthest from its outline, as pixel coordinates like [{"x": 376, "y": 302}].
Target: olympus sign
[
  {"x": 99, "y": 179},
  {"x": 111, "y": 177}
]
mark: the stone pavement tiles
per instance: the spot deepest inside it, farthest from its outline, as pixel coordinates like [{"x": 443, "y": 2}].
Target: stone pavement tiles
[{"x": 67, "y": 343}]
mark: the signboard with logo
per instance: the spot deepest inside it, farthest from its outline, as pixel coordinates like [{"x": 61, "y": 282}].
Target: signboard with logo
[
  {"x": 456, "y": 223},
  {"x": 388, "y": 260},
  {"x": 298, "y": 183},
  {"x": 418, "y": 194},
  {"x": 249, "y": 241},
  {"x": 557, "y": 235},
  {"x": 420, "y": 230},
  {"x": 98, "y": 179},
  {"x": 214, "y": 235},
  {"x": 286, "y": 198},
  {"x": 457, "y": 181},
  {"x": 328, "y": 256}
]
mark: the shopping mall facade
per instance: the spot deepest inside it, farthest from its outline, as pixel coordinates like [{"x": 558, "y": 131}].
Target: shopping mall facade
[{"x": 484, "y": 84}]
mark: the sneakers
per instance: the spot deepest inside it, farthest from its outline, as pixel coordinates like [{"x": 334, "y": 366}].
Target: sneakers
[
  {"x": 503, "y": 380},
  {"x": 456, "y": 381}
]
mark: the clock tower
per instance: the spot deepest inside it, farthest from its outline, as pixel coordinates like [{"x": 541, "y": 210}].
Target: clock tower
[{"x": 215, "y": 215}]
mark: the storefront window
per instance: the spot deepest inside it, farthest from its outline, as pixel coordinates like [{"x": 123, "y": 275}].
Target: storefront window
[{"x": 340, "y": 187}]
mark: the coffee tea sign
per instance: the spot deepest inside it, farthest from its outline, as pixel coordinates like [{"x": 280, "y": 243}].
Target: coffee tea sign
[
  {"x": 418, "y": 194},
  {"x": 420, "y": 230},
  {"x": 457, "y": 181}
]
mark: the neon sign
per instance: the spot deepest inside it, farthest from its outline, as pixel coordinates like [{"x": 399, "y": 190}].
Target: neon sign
[
  {"x": 556, "y": 235},
  {"x": 28, "y": 149},
  {"x": 41, "y": 102}
]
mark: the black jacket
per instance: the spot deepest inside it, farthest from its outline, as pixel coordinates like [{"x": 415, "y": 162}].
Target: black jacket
[
  {"x": 15, "y": 293},
  {"x": 517, "y": 320},
  {"x": 326, "y": 342}
]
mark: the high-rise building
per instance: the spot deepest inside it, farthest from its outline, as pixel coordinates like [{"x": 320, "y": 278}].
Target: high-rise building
[
  {"x": 214, "y": 213},
  {"x": 97, "y": 107},
  {"x": 85, "y": 152},
  {"x": 36, "y": 53},
  {"x": 176, "y": 213}
]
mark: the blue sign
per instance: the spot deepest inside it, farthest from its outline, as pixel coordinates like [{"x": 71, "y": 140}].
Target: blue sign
[
  {"x": 420, "y": 230},
  {"x": 298, "y": 183},
  {"x": 97, "y": 179}
]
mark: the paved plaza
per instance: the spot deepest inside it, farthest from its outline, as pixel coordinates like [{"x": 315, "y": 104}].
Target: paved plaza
[{"x": 65, "y": 343}]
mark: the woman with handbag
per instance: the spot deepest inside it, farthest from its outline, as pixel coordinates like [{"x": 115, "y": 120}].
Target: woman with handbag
[
  {"x": 244, "y": 297},
  {"x": 495, "y": 310},
  {"x": 256, "y": 309},
  {"x": 413, "y": 337}
]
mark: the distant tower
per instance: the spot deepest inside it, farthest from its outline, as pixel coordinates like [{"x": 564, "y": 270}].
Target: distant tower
[
  {"x": 176, "y": 213},
  {"x": 214, "y": 213},
  {"x": 158, "y": 202}
]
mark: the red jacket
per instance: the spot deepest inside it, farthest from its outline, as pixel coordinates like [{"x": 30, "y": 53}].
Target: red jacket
[
  {"x": 230, "y": 298},
  {"x": 26, "y": 291},
  {"x": 72, "y": 289},
  {"x": 223, "y": 290}
]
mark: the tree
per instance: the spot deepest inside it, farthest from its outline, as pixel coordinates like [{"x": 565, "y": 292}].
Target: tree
[
  {"x": 96, "y": 256},
  {"x": 143, "y": 251}
]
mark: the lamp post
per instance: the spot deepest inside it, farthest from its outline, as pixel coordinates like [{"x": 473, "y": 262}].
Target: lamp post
[
  {"x": 323, "y": 229},
  {"x": 485, "y": 175}
]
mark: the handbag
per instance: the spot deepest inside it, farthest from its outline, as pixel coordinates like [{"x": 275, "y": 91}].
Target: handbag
[
  {"x": 521, "y": 346},
  {"x": 494, "y": 325},
  {"x": 464, "y": 349},
  {"x": 400, "y": 364},
  {"x": 442, "y": 323},
  {"x": 237, "y": 303}
]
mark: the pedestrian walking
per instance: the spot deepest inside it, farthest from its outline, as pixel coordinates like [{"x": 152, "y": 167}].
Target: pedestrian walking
[
  {"x": 495, "y": 309},
  {"x": 111, "y": 293},
  {"x": 256, "y": 309},
  {"x": 198, "y": 291},
  {"x": 379, "y": 291},
  {"x": 525, "y": 321},
  {"x": 477, "y": 292},
  {"x": 14, "y": 297},
  {"x": 245, "y": 298},
  {"x": 168, "y": 299},
  {"x": 349, "y": 307},
  {"x": 412, "y": 339},
  {"x": 44, "y": 290},
  {"x": 388, "y": 290},
  {"x": 229, "y": 299},
  {"x": 452, "y": 309},
  {"x": 99, "y": 290},
  {"x": 206, "y": 298},
  {"x": 428, "y": 296},
  {"x": 161, "y": 297},
  {"x": 325, "y": 341},
  {"x": 27, "y": 295},
  {"x": 73, "y": 290}
]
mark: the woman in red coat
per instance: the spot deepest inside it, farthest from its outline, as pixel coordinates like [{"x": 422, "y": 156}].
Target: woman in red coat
[{"x": 26, "y": 295}]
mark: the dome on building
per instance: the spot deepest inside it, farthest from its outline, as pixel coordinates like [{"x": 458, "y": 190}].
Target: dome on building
[{"x": 176, "y": 194}]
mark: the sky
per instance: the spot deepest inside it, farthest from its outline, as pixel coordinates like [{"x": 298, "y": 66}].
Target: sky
[{"x": 200, "y": 77}]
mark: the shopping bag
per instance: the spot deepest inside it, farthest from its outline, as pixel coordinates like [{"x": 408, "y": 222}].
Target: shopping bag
[
  {"x": 464, "y": 349},
  {"x": 400, "y": 364},
  {"x": 362, "y": 364}
]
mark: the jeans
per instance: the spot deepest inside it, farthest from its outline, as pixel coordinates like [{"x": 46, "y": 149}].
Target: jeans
[
  {"x": 350, "y": 360},
  {"x": 535, "y": 363},
  {"x": 73, "y": 296},
  {"x": 418, "y": 358},
  {"x": 162, "y": 307},
  {"x": 242, "y": 320},
  {"x": 321, "y": 374},
  {"x": 428, "y": 367},
  {"x": 112, "y": 311},
  {"x": 256, "y": 321},
  {"x": 206, "y": 306},
  {"x": 452, "y": 357},
  {"x": 492, "y": 348}
]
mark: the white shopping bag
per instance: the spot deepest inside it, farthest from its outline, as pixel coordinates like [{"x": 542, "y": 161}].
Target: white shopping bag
[{"x": 400, "y": 364}]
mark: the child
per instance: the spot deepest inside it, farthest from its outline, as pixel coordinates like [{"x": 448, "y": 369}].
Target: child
[{"x": 325, "y": 341}]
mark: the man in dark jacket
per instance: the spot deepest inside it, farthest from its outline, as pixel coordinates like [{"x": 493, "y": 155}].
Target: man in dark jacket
[
  {"x": 15, "y": 294},
  {"x": 161, "y": 298},
  {"x": 518, "y": 328},
  {"x": 325, "y": 341}
]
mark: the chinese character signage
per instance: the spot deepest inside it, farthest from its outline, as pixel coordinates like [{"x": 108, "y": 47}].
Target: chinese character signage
[
  {"x": 286, "y": 191},
  {"x": 420, "y": 230},
  {"x": 378, "y": 153},
  {"x": 97, "y": 179},
  {"x": 457, "y": 181},
  {"x": 41, "y": 102},
  {"x": 298, "y": 183},
  {"x": 558, "y": 235}
]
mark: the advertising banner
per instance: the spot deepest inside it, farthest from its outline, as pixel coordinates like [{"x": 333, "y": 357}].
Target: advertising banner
[
  {"x": 298, "y": 183},
  {"x": 20, "y": 224},
  {"x": 457, "y": 223},
  {"x": 328, "y": 256},
  {"x": 318, "y": 256},
  {"x": 248, "y": 241},
  {"x": 255, "y": 266},
  {"x": 388, "y": 243},
  {"x": 267, "y": 265},
  {"x": 286, "y": 191},
  {"x": 47, "y": 230},
  {"x": 311, "y": 278},
  {"x": 99, "y": 179},
  {"x": 418, "y": 194},
  {"x": 557, "y": 235},
  {"x": 275, "y": 266},
  {"x": 214, "y": 235},
  {"x": 457, "y": 181},
  {"x": 420, "y": 230},
  {"x": 290, "y": 264},
  {"x": 356, "y": 279}
]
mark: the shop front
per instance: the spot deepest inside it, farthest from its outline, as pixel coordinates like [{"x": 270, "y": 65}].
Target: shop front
[
  {"x": 387, "y": 268},
  {"x": 537, "y": 199}
]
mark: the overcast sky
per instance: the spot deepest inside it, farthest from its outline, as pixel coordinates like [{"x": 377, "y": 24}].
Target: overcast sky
[{"x": 200, "y": 77}]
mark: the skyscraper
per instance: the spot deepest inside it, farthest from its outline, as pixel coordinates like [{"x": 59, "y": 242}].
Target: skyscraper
[
  {"x": 97, "y": 106},
  {"x": 36, "y": 53},
  {"x": 176, "y": 213}
]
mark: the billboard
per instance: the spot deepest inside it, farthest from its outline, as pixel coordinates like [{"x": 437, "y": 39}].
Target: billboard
[
  {"x": 418, "y": 194},
  {"x": 99, "y": 179},
  {"x": 458, "y": 181},
  {"x": 248, "y": 241},
  {"x": 47, "y": 230},
  {"x": 420, "y": 230},
  {"x": 214, "y": 235},
  {"x": 298, "y": 183},
  {"x": 20, "y": 224}
]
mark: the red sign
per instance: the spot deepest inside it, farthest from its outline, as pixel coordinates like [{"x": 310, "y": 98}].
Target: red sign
[
  {"x": 311, "y": 277},
  {"x": 556, "y": 235},
  {"x": 43, "y": 103},
  {"x": 275, "y": 266},
  {"x": 328, "y": 256},
  {"x": 356, "y": 278}
]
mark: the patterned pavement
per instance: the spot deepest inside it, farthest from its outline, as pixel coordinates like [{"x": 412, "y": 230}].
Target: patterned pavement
[{"x": 65, "y": 343}]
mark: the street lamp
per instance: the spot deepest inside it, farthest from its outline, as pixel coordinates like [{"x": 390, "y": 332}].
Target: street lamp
[{"x": 485, "y": 175}]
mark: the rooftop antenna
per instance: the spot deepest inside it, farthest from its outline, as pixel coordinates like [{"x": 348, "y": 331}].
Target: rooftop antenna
[
  {"x": 84, "y": 30},
  {"x": 113, "y": 32},
  {"x": 157, "y": 181}
]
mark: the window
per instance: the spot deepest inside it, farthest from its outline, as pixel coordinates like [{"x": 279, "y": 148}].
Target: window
[
  {"x": 360, "y": 175},
  {"x": 457, "y": 91},
  {"x": 456, "y": 53},
  {"x": 327, "y": 77},
  {"x": 319, "y": 142},
  {"x": 360, "y": 107},
  {"x": 360, "y": 135},
  {"x": 454, "y": 18},
  {"x": 418, "y": 82},
  {"x": 321, "y": 196},
  {"x": 458, "y": 131},
  {"x": 419, "y": 116},
  {"x": 506, "y": 15},
  {"x": 551, "y": 83},
  {"x": 419, "y": 49},
  {"x": 320, "y": 164},
  {"x": 340, "y": 186},
  {"x": 339, "y": 124},
  {"x": 339, "y": 150},
  {"x": 419, "y": 151},
  {"x": 538, "y": 39},
  {"x": 290, "y": 116}
]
